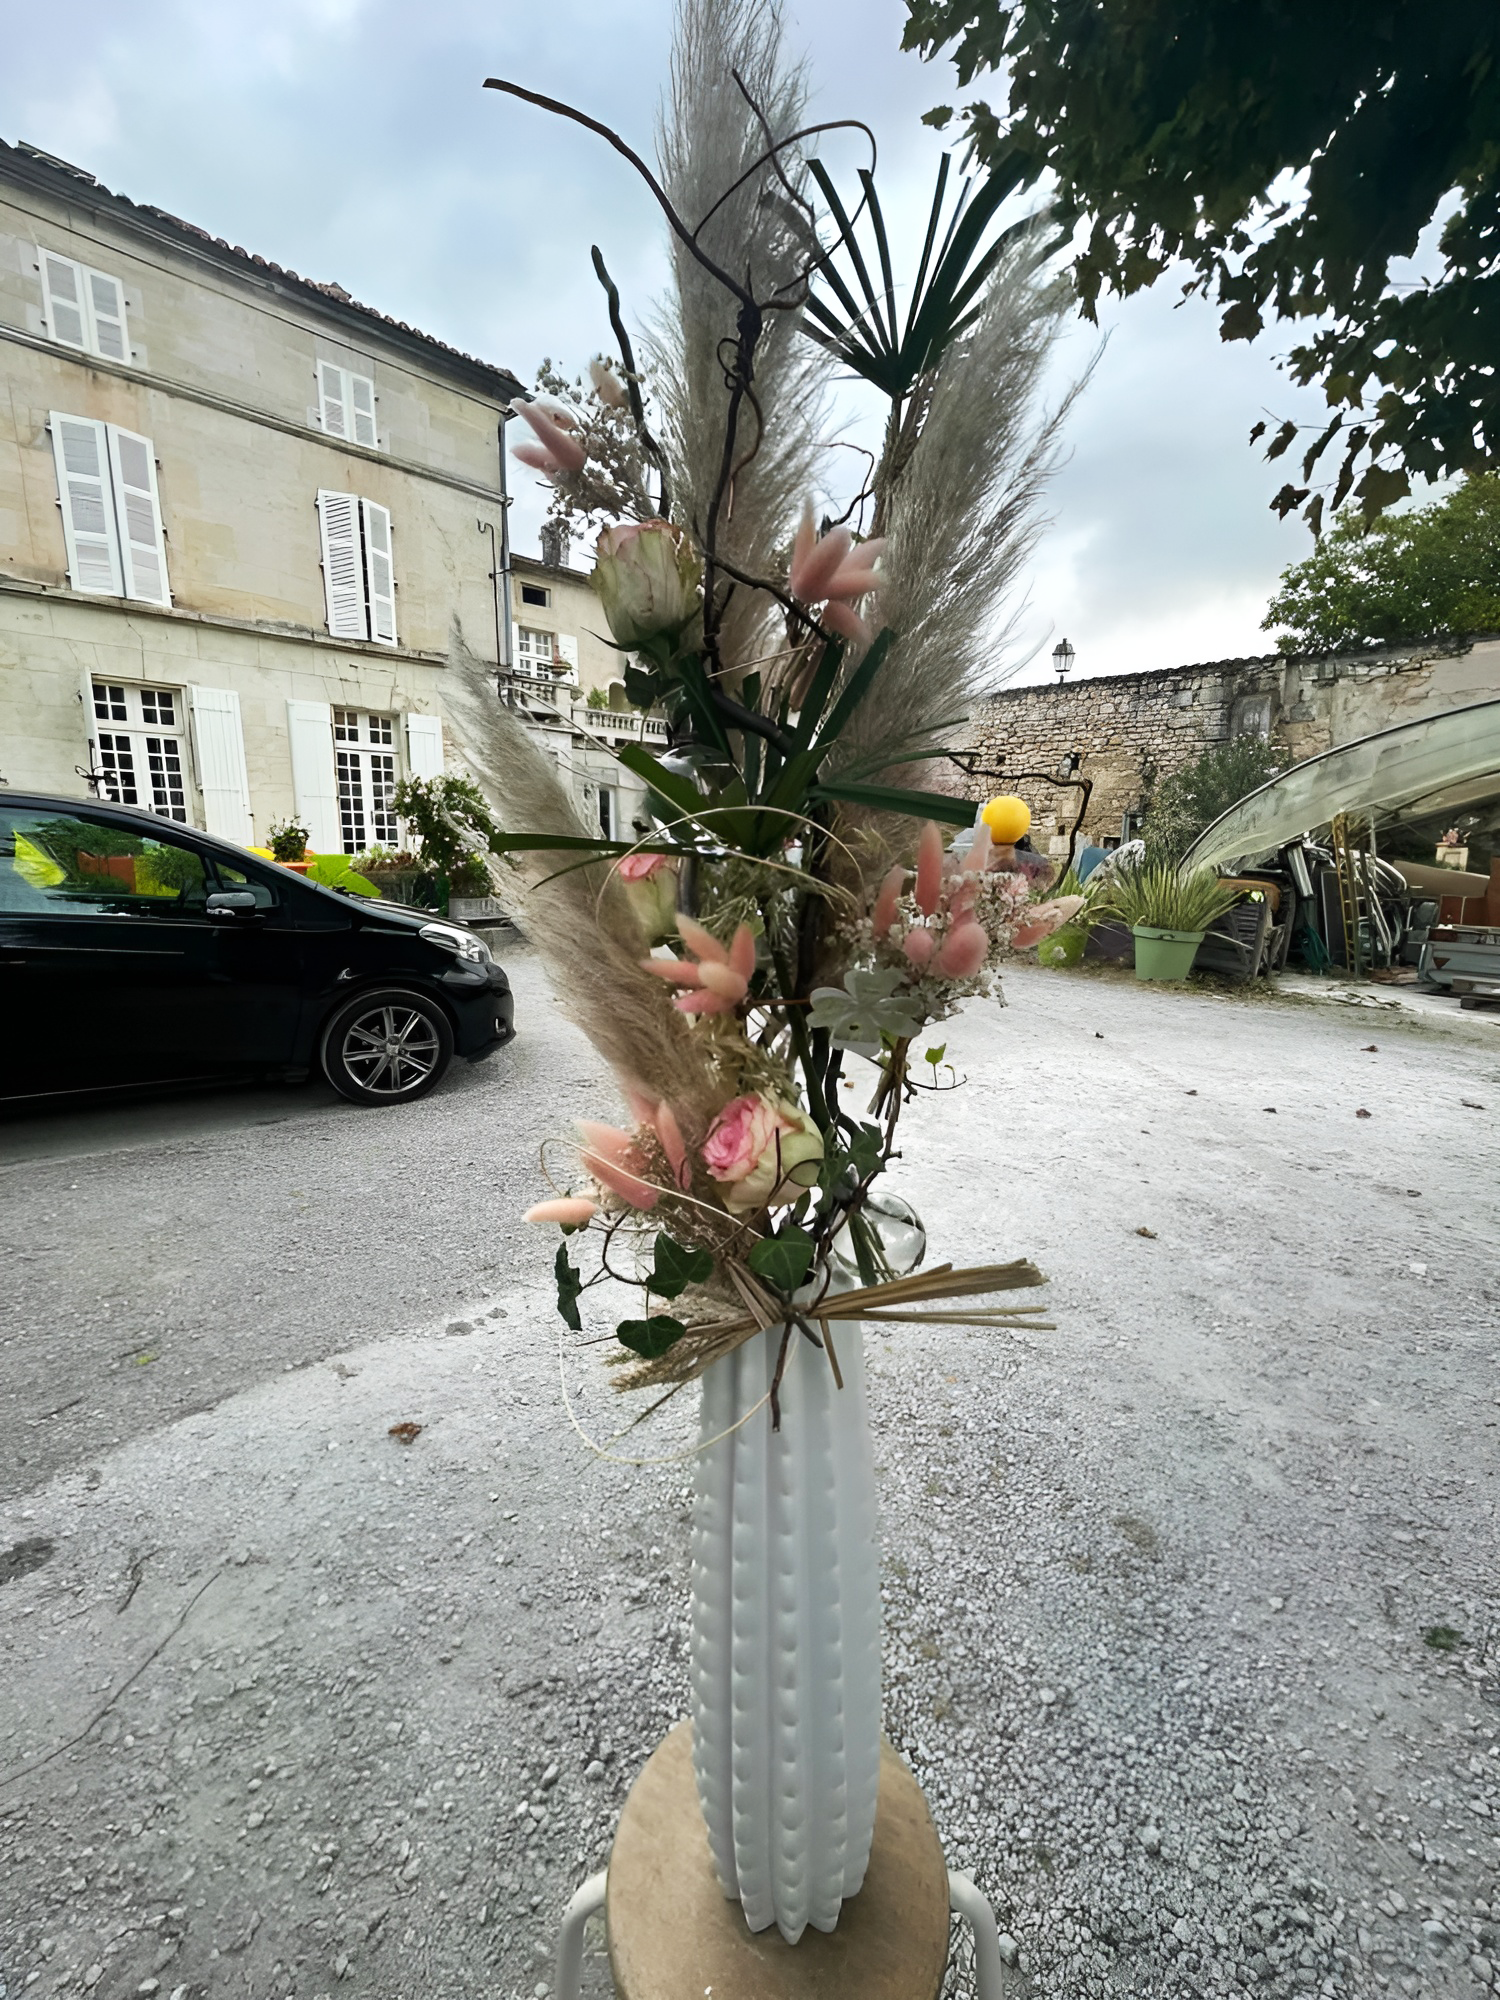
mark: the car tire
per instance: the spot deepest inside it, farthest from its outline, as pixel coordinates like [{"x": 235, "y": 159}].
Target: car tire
[{"x": 387, "y": 1046}]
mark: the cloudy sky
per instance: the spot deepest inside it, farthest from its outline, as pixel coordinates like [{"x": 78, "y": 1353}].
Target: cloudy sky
[{"x": 351, "y": 140}]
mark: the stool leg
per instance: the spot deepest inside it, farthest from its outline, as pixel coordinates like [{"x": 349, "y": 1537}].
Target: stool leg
[
  {"x": 570, "y": 1939},
  {"x": 967, "y": 1901}
]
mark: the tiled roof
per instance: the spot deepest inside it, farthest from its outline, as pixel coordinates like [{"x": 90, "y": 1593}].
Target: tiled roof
[{"x": 29, "y": 166}]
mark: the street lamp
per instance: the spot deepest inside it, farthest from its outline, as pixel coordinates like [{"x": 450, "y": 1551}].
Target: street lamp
[{"x": 1063, "y": 657}]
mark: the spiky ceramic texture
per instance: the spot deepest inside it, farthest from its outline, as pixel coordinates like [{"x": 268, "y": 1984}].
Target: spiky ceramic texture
[{"x": 786, "y": 1633}]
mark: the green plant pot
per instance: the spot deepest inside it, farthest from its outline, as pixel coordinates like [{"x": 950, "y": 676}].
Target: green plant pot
[
  {"x": 1164, "y": 954},
  {"x": 1064, "y": 947}
]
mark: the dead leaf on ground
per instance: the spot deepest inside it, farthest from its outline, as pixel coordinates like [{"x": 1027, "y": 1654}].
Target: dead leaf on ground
[
  {"x": 405, "y": 1433},
  {"x": 1361, "y": 1113},
  {"x": 1143, "y": 1231}
]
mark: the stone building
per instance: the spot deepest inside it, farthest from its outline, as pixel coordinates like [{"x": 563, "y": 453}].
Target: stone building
[
  {"x": 1127, "y": 731},
  {"x": 244, "y": 523}
]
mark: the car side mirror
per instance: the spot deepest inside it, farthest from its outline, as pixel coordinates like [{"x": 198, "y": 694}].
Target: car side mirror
[{"x": 232, "y": 903}]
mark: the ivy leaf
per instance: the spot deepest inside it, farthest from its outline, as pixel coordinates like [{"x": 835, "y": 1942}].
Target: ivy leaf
[
  {"x": 569, "y": 1285},
  {"x": 782, "y": 1260},
  {"x": 676, "y": 1268},
  {"x": 650, "y": 1337}
]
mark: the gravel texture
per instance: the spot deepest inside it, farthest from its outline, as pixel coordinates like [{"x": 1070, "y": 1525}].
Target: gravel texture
[{"x": 1192, "y": 1604}]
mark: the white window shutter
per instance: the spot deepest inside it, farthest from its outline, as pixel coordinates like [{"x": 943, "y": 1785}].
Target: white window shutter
[
  {"x": 333, "y": 399},
  {"x": 343, "y": 571},
  {"x": 380, "y": 576},
  {"x": 220, "y": 742},
  {"x": 362, "y": 410},
  {"x": 62, "y": 287},
  {"x": 138, "y": 514},
  {"x": 315, "y": 785},
  {"x": 567, "y": 649},
  {"x": 106, "y": 301},
  {"x": 81, "y": 447},
  {"x": 424, "y": 745}
]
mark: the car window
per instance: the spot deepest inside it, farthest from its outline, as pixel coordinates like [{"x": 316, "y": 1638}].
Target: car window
[
  {"x": 231, "y": 877},
  {"x": 71, "y": 864}
]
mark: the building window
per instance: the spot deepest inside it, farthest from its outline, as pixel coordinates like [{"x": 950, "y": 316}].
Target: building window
[
  {"x": 534, "y": 651},
  {"x": 138, "y": 747},
  {"x": 364, "y": 755},
  {"x": 1251, "y": 716},
  {"x": 359, "y": 581},
  {"x": 346, "y": 405},
  {"x": 607, "y": 812},
  {"x": 537, "y": 594},
  {"x": 111, "y": 509},
  {"x": 84, "y": 308}
]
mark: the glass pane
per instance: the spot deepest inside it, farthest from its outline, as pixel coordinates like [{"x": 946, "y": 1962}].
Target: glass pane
[
  {"x": 351, "y": 801},
  {"x": 236, "y": 878},
  {"x": 117, "y": 769},
  {"x": 74, "y": 865}
]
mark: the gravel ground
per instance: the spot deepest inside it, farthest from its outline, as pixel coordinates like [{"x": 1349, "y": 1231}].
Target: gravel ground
[{"x": 1193, "y": 1630}]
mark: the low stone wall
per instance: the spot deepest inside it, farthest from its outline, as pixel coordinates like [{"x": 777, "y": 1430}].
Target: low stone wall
[{"x": 1131, "y": 730}]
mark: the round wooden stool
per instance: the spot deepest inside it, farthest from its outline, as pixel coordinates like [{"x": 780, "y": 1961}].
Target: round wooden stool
[{"x": 674, "y": 1935}]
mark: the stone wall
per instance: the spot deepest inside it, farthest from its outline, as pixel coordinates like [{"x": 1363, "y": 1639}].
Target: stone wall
[{"x": 1131, "y": 729}]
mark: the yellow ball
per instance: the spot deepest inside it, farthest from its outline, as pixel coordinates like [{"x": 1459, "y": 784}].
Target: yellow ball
[{"x": 1007, "y": 818}]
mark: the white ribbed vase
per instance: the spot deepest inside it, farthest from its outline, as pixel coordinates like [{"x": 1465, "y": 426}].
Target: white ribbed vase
[{"x": 786, "y": 1632}]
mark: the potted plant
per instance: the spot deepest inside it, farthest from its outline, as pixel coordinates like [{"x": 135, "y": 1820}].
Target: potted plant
[
  {"x": 288, "y": 840},
  {"x": 1066, "y": 945},
  {"x": 1167, "y": 911}
]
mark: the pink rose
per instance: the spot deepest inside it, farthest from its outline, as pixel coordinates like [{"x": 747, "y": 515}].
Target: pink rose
[{"x": 762, "y": 1151}]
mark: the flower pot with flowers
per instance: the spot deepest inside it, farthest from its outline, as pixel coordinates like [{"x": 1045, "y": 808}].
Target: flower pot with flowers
[
  {"x": 288, "y": 838},
  {"x": 1167, "y": 910},
  {"x": 795, "y": 912}
]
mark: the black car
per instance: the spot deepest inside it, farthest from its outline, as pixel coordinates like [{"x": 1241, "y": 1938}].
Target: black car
[{"x": 134, "y": 951}]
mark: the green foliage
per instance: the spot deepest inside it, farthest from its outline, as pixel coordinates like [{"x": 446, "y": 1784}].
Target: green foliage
[
  {"x": 569, "y": 1285},
  {"x": 650, "y": 1337},
  {"x": 676, "y": 1268},
  {"x": 596, "y": 698},
  {"x": 782, "y": 1260},
  {"x": 333, "y": 871},
  {"x": 1164, "y": 898},
  {"x": 1432, "y": 572},
  {"x": 1193, "y": 798},
  {"x": 288, "y": 840},
  {"x": 450, "y": 819},
  {"x": 1176, "y": 129}
]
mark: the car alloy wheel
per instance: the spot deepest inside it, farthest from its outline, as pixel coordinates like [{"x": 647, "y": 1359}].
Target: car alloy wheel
[{"x": 391, "y": 1050}]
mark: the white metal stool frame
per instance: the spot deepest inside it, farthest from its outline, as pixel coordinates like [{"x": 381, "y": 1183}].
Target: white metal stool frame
[{"x": 965, "y": 1899}]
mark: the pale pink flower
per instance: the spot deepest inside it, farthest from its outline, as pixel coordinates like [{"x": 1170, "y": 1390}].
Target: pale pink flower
[
  {"x": 848, "y": 624},
  {"x": 650, "y": 882},
  {"x": 572, "y": 1211},
  {"x": 835, "y": 571},
  {"x": 918, "y": 945},
  {"x": 607, "y": 384}
]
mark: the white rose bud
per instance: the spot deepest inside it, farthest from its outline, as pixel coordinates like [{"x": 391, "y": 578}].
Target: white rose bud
[{"x": 649, "y": 580}]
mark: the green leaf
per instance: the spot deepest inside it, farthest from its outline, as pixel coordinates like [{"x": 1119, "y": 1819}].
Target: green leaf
[
  {"x": 938, "y": 117},
  {"x": 569, "y": 1285},
  {"x": 640, "y": 687},
  {"x": 650, "y": 1337},
  {"x": 935, "y": 1056},
  {"x": 676, "y": 789},
  {"x": 782, "y": 1260},
  {"x": 332, "y": 871},
  {"x": 890, "y": 798},
  {"x": 856, "y": 690},
  {"x": 676, "y": 1268}
]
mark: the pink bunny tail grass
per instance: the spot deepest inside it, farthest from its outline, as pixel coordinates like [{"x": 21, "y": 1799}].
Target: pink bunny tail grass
[
  {"x": 568, "y": 452},
  {"x": 854, "y": 580},
  {"x": 884, "y": 914},
  {"x": 702, "y": 1003},
  {"x": 918, "y": 945},
  {"x": 978, "y": 857},
  {"x": 811, "y": 577},
  {"x": 701, "y": 943},
  {"x": 848, "y": 624},
  {"x": 677, "y": 970},
  {"x": 742, "y": 952},
  {"x": 929, "y": 869},
  {"x": 963, "y": 951},
  {"x": 572, "y": 1211},
  {"x": 725, "y": 981},
  {"x": 672, "y": 1144},
  {"x": 536, "y": 456}
]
